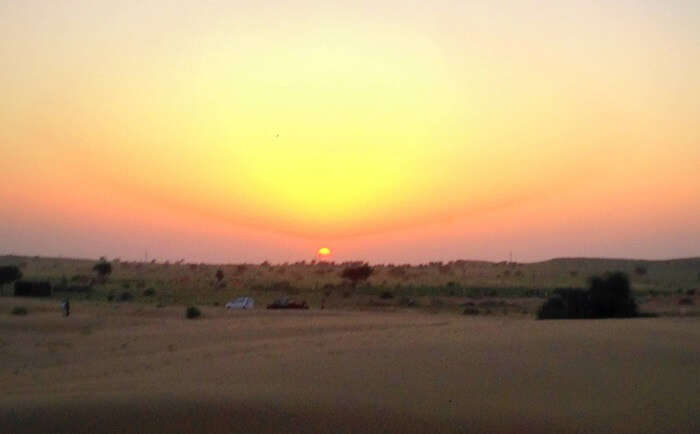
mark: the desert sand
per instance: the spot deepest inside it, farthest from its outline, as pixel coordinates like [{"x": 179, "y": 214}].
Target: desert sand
[{"x": 138, "y": 368}]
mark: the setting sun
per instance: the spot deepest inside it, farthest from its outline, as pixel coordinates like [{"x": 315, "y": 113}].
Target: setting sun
[{"x": 323, "y": 252}]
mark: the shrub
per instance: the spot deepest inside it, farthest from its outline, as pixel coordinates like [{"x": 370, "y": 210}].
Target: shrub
[
  {"x": 690, "y": 292},
  {"x": 686, "y": 301},
  {"x": 192, "y": 312},
  {"x": 27, "y": 288},
  {"x": 640, "y": 270},
  {"x": 610, "y": 296},
  {"x": 103, "y": 269},
  {"x": 150, "y": 292},
  {"x": 19, "y": 310},
  {"x": 125, "y": 296},
  {"x": 386, "y": 295},
  {"x": 357, "y": 274},
  {"x": 607, "y": 297},
  {"x": 8, "y": 274}
]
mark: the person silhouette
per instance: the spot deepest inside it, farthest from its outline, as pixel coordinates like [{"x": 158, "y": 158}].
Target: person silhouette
[{"x": 66, "y": 307}]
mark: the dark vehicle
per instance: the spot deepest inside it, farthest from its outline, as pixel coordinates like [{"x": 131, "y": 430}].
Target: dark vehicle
[{"x": 286, "y": 303}]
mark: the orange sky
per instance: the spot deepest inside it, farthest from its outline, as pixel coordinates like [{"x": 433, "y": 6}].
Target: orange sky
[{"x": 388, "y": 131}]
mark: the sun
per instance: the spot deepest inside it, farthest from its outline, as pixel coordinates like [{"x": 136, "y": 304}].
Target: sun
[{"x": 323, "y": 253}]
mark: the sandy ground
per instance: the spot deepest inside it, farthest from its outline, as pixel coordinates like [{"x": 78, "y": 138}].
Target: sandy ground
[{"x": 134, "y": 368}]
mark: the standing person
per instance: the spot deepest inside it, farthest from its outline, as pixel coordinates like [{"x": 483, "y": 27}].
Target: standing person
[{"x": 66, "y": 307}]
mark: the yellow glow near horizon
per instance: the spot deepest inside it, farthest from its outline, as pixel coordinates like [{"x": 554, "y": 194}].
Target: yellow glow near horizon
[{"x": 326, "y": 123}]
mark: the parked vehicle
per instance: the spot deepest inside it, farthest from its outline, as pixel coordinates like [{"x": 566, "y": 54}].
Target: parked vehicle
[{"x": 287, "y": 303}]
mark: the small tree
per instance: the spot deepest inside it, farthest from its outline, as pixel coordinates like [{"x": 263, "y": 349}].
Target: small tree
[
  {"x": 8, "y": 274},
  {"x": 219, "y": 275},
  {"x": 103, "y": 269},
  {"x": 357, "y": 274}
]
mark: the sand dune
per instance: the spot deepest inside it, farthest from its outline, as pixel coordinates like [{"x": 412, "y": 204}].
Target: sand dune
[{"x": 133, "y": 368}]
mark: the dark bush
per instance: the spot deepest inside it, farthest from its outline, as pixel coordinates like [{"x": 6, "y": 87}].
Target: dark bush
[
  {"x": 26, "y": 288},
  {"x": 192, "y": 312},
  {"x": 686, "y": 301},
  {"x": 690, "y": 292},
  {"x": 150, "y": 292},
  {"x": 125, "y": 296},
  {"x": 357, "y": 274},
  {"x": 608, "y": 296},
  {"x": 19, "y": 310},
  {"x": 8, "y": 274},
  {"x": 386, "y": 295},
  {"x": 640, "y": 270},
  {"x": 103, "y": 269},
  {"x": 566, "y": 303}
]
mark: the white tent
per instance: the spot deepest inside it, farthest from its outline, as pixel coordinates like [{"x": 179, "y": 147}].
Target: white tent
[{"x": 240, "y": 303}]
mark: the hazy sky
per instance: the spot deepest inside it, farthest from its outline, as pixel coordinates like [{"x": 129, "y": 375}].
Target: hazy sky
[{"x": 391, "y": 131}]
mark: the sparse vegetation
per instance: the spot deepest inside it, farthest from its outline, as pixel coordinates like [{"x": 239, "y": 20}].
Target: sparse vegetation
[
  {"x": 470, "y": 310},
  {"x": 19, "y": 310},
  {"x": 149, "y": 292},
  {"x": 183, "y": 284},
  {"x": 192, "y": 312}
]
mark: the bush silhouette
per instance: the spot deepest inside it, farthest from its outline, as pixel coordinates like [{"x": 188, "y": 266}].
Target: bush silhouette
[
  {"x": 28, "y": 288},
  {"x": 150, "y": 292},
  {"x": 8, "y": 274},
  {"x": 19, "y": 310},
  {"x": 608, "y": 296},
  {"x": 103, "y": 269},
  {"x": 192, "y": 312},
  {"x": 357, "y": 274},
  {"x": 125, "y": 296}
]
